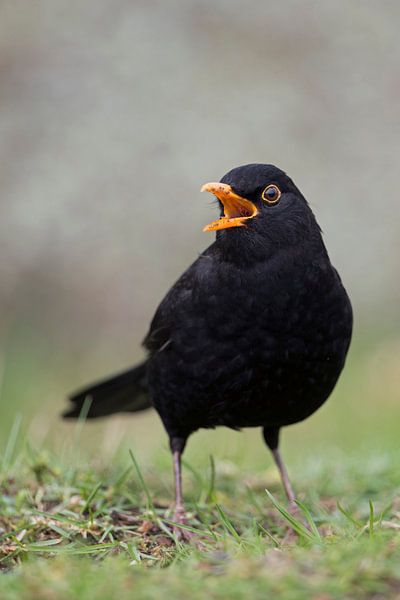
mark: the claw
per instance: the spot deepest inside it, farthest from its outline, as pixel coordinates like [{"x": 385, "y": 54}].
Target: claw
[{"x": 182, "y": 534}]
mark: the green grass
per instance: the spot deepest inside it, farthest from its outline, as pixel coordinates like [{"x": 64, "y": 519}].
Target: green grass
[
  {"x": 85, "y": 509},
  {"x": 75, "y": 531}
]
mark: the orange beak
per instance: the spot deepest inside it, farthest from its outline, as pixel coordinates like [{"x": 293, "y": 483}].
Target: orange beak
[{"x": 237, "y": 210}]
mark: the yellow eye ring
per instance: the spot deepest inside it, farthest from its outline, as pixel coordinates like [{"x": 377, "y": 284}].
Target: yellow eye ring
[{"x": 271, "y": 194}]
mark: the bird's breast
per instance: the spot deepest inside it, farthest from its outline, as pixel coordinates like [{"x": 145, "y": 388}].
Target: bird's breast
[{"x": 256, "y": 343}]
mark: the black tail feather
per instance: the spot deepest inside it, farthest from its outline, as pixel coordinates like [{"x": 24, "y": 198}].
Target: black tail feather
[{"x": 126, "y": 392}]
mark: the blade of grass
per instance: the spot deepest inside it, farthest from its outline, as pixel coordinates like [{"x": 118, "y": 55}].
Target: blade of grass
[
  {"x": 227, "y": 524},
  {"x": 91, "y": 497},
  {"x": 197, "y": 476},
  {"x": 146, "y": 490},
  {"x": 204, "y": 518},
  {"x": 107, "y": 532},
  {"x": 134, "y": 553},
  {"x": 384, "y": 512},
  {"x": 42, "y": 546},
  {"x": 122, "y": 478},
  {"x": 10, "y": 555},
  {"x": 11, "y": 442},
  {"x": 211, "y": 496},
  {"x": 310, "y": 519},
  {"x": 71, "y": 518},
  {"x": 371, "y": 518},
  {"x": 82, "y": 420},
  {"x": 295, "y": 524},
  {"x": 92, "y": 549},
  {"x": 60, "y": 531},
  {"x": 183, "y": 526},
  {"x": 269, "y": 535},
  {"x": 349, "y": 516},
  {"x": 254, "y": 501},
  {"x": 71, "y": 548}
]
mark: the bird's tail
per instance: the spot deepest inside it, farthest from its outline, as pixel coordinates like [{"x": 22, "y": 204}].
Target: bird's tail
[{"x": 126, "y": 392}]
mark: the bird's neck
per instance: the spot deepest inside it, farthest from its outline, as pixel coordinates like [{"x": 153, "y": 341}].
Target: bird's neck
[
  {"x": 245, "y": 247},
  {"x": 240, "y": 248}
]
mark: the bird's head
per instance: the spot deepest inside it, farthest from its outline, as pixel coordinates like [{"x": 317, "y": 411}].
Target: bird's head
[{"x": 261, "y": 201}]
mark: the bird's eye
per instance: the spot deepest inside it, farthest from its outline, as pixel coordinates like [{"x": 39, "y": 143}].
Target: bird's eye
[{"x": 271, "y": 194}]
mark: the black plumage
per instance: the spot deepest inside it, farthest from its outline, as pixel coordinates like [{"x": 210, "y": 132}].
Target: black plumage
[{"x": 255, "y": 332}]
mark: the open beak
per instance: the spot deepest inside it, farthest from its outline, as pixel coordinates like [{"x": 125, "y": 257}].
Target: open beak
[{"x": 237, "y": 210}]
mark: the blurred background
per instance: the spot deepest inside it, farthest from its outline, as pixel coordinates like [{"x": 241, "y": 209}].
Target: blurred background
[{"x": 112, "y": 115}]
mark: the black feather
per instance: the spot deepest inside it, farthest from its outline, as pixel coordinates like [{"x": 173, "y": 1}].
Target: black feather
[{"x": 126, "y": 392}]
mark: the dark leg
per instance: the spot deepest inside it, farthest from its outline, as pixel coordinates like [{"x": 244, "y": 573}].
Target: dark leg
[{"x": 271, "y": 437}]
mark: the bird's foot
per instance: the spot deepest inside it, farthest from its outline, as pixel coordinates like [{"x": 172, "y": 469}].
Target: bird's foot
[
  {"x": 291, "y": 536},
  {"x": 294, "y": 510},
  {"x": 182, "y": 534}
]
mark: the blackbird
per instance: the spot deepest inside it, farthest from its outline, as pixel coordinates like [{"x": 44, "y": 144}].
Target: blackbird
[{"x": 254, "y": 334}]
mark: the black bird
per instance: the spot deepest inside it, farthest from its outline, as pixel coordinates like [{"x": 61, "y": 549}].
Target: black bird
[{"x": 254, "y": 333}]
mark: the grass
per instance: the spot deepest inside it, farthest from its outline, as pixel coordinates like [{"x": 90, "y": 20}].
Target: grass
[
  {"x": 69, "y": 531},
  {"x": 83, "y": 514}
]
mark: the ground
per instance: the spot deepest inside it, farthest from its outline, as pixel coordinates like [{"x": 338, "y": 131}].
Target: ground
[
  {"x": 95, "y": 522},
  {"x": 81, "y": 532}
]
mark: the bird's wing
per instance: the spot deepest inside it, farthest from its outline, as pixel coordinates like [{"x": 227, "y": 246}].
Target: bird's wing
[{"x": 160, "y": 328}]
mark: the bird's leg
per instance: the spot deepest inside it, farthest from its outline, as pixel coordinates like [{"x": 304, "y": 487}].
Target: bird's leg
[
  {"x": 179, "y": 508},
  {"x": 284, "y": 477},
  {"x": 271, "y": 437},
  {"x": 179, "y": 517}
]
